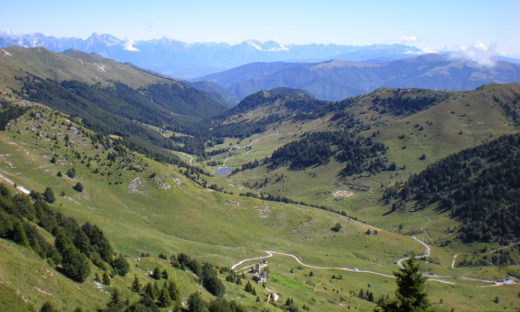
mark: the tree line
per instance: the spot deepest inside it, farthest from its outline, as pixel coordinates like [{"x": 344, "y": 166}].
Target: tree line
[
  {"x": 75, "y": 246},
  {"x": 479, "y": 186},
  {"x": 314, "y": 149}
]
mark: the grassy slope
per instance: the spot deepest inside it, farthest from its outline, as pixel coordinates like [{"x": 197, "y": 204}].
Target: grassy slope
[
  {"x": 464, "y": 120},
  {"x": 211, "y": 226},
  {"x": 15, "y": 61}
]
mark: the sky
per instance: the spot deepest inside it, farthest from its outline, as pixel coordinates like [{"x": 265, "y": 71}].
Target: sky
[{"x": 493, "y": 25}]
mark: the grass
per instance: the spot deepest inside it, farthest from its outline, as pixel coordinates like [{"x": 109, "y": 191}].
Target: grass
[{"x": 166, "y": 212}]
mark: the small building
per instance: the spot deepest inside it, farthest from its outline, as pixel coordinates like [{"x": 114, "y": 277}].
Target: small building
[
  {"x": 262, "y": 278},
  {"x": 255, "y": 268}
]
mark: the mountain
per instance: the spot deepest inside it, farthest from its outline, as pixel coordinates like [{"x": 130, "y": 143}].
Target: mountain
[
  {"x": 108, "y": 96},
  {"x": 221, "y": 95},
  {"x": 416, "y": 127},
  {"x": 189, "y": 60},
  {"x": 478, "y": 186},
  {"x": 150, "y": 211},
  {"x": 236, "y": 75},
  {"x": 337, "y": 79}
]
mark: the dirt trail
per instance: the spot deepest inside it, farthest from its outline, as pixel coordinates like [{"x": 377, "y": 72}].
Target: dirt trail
[
  {"x": 452, "y": 265},
  {"x": 189, "y": 156},
  {"x": 425, "y": 255},
  {"x": 20, "y": 188},
  {"x": 270, "y": 254},
  {"x": 430, "y": 277}
]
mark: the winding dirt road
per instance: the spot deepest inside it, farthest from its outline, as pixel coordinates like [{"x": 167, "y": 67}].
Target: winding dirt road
[
  {"x": 430, "y": 277},
  {"x": 452, "y": 265},
  {"x": 425, "y": 255}
]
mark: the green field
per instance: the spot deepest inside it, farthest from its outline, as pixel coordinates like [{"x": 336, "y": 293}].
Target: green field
[{"x": 146, "y": 207}]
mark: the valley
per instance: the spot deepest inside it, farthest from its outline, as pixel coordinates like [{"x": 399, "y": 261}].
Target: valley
[{"x": 314, "y": 187}]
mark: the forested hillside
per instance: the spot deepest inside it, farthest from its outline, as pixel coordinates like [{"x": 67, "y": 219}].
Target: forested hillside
[
  {"x": 360, "y": 154},
  {"x": 480, "y": 187},
  {"x": 75, "y": 246}
]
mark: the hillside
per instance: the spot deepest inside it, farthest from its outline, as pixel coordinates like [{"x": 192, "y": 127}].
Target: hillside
[
  {"x": 293, "y": 158},
  {"x": 337, "y": 79},
  {"x": 146, "y": 207},
  {"x": 478, "y": 186},
  {"x": 108, "y": 96},
  {"x": 71, "y": 65},
  {"x": 310, "y": 205},
  {"x": 152, "y": 197}
]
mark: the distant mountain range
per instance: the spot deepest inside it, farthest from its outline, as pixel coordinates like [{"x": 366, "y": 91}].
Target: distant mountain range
[
  {"x": 190, "y": 60},
  {"x": 338, "y": 79}
]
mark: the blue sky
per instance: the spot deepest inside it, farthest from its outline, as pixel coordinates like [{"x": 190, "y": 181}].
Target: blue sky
[{"x": 434, "y": 25}]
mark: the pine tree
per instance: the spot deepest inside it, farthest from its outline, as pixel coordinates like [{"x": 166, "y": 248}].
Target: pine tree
[
  {"x": 195, "y": 303},
  {"x": 106, "y": 279},
  {"x": 164, "y": 274},
  {"x": 18, "y": 234},
  {"x": 47, "y": 307},
  {"x": 48, "y": 195},
  {"x": 164, "y": 297},
  {"x": 116, "y": 303},
  {"x": 172, "y": 289},
  {"x": 78, "y": 187},
  {"x": 248, "y": 287},
  {"x": 75, "y": 264},
  {"x": 120, "y": 265},
  {"x": 136, "y": 285},
  {"x": 156, "y": 273},
  {"x": 149, "y": 291},
  {"x": 410, "y": 294}
]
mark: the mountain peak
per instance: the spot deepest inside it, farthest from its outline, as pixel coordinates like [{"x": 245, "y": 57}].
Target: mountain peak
[
  {"x": 267, "y": 46},
  {"x": 107, "y": 39}
]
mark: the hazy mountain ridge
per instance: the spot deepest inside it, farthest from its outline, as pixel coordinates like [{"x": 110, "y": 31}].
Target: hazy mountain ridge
[
  {"x": 188, "y": 60},
  {"x": 337, "y": 79}
]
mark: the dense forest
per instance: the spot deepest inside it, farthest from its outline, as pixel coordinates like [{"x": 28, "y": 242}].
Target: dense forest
[
  {"x": 102, "y": 109},
  {"x": 74, "y": 247},
  {"x": 480, "y": 187},
  {"x": 314, "y": 149},
  {"x": 9, "y": 112}
]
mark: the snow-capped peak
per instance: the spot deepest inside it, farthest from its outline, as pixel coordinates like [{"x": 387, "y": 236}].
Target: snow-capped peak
[
  {"x": 268, "y": 46},
  {"x": 129, "y": 46}
]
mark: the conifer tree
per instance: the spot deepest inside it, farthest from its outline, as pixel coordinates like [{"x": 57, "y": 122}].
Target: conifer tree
[
  {"x": 106, "y": 279},
  {"x": 164, "y": 297},
  {"x": 172, "y": 289},
  {"x": 410, "y": 294},
  {"x": 18, "y": 234},
  {"x": 48, "y": 195},
  {"x": 149, "y": 291},
  {"x": 116, "y": 303},
  {"x": 156, "y": 273},
  {"x": 195, "y": 303},
  {"x": 136, "y": 285}
]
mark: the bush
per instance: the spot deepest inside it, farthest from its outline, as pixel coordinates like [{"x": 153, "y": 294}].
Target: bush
[
  {"x": 48, "y": 195},
  {"x": 78, "y": 187},
  {"x": 71, "y": 173},
  {"x": 211, "y": 282},
  {"x": 121, "y": 265},
  {"x": 336, "y": 228}
]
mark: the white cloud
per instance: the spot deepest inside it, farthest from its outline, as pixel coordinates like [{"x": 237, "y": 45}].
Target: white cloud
[
  {"x": 6, "y": 32},
  {"x": 129, "y": 46},
  {"x": 408, "y": 38},
  {"x": 478, "y": 52},
  {"x": 428, "y": 50}
]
